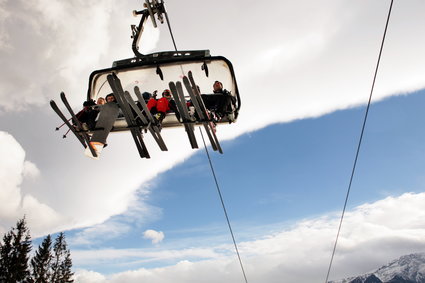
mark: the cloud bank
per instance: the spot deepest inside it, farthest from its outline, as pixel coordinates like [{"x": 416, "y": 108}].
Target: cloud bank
[
  {"x": 372, "y": 235},
  {"x": 14, "y": 169}
]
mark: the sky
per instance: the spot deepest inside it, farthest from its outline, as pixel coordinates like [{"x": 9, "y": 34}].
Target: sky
[{"x": 304, "y": 72}]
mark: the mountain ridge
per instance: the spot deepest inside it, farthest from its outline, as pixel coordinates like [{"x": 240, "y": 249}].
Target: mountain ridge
[{"x": 406, "y": 269}]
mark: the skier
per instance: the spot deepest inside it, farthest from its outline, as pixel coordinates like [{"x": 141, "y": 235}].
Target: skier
[
  {"x": 165, "y": 105},
  {"x": 107, "y": 116}
]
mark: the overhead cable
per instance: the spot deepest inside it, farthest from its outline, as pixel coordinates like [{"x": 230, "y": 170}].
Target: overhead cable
[
  {"x": 213, "y": 173},
  {"x": 360, "y": 142}
]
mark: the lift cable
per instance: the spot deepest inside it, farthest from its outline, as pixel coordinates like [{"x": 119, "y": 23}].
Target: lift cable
[
  {"x": 169, "y": 28},
  {"x": 360, "y": 140},
  {"x": 214, "y": 175},
  {"x": 224, "y": 207}
]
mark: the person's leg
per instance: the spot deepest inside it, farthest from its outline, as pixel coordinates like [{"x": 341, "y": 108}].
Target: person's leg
[{"x": 107, "y": 116}]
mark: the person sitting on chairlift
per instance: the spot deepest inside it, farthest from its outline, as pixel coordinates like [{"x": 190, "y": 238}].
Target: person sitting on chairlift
[
  {"x": 165, "y": 105},
  {"x": 87, "y": 116},
  {"x": 151, "y": 103},
  {"x": 220, "y": 102},
  {"x": 101, "y": 101},
  {"x": 107, "y": 116}
]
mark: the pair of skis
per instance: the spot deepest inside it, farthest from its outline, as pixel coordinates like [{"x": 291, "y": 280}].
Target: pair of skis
[
  {"x": 187, "y": 120},
  {"x": 149, "y": 122},
  {"x": 78, "y": 130},
  {"x": 138, "y": 121},
  {"x": 127, "y": 104},
  {"x": 198, "y": 103}
]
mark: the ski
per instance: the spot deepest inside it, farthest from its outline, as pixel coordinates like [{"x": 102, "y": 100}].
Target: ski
[
  {"x": 145, "y": 124},
  {"x": 156, "y": 135},
  {"x": 77, "y": 122},
  {"x": 65, "y": 120},
  {"x": 181, "y": 105},
  {"x": 118, "y": 91},
  {"x": 180, "y": 93},
  {"x": 204, "y": 109},
  {"x": 154, "y": 122},
  {"x": 176, "y": 98},
  {"x": 182, "y": 98},
  {"x": 202, "y": 112}
]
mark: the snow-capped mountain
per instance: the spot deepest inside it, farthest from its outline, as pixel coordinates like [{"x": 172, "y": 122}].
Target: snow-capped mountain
[{"x": 406, "y": 269}]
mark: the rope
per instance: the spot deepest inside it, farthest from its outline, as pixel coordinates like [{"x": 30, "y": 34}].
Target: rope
[
  {"x": 360, "y": 141},
  {"x": 213, "y": 173},
  {"x": 224, "y": 207}
]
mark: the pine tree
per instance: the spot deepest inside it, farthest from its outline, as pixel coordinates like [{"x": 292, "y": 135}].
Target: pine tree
[
  {"x": 22, "y": 248},
  {"x": 41, "y": 262},
  {"x": 62, "y": 263},
  {"x": 66, "y": 274},
  {"x": 46, "y": 266},
  {"x": 15, "y": 254},
  {"x": 5, "y": 257}
]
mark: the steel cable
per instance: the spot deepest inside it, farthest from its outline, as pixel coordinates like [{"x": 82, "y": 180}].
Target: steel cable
[
  {"x": 214, "y": 175},
  {"x": 360, "y": 142}
]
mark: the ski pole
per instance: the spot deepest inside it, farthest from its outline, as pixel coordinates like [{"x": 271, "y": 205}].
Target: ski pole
[
  {"x": 57, "y": 128},
  {"x": 64, "y": 136}
]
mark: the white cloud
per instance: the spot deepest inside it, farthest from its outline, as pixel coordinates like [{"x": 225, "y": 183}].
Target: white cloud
[
  {"x": 55, "y": 49},
  {"x": 155, "y": 236},
  {"x": 4, "y": 14},
  {"x": 324, "y": 62},
  {"x": 30, "y": 170},
  {"x": 99, "y": 233},
  {"x": 85, "y": 276},
  {"x": 372, "y": 235},
  {"x": 137, "y": 257},
  {"x": 13, "y": 169},
  {"x": 138, "y": 214},
  {"x": 51, "y": 50}
]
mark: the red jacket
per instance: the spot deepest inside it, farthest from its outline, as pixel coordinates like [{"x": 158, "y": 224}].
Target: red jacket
[
  {"x": 151, "y": 103},
  {"x": 163, "y": 105}
]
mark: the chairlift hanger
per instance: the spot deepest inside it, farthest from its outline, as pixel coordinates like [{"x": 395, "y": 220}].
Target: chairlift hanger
[{"x": 176, "y": 70}]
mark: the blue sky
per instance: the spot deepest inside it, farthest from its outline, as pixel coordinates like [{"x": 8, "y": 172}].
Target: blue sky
[{"x": 304, "y": 73}]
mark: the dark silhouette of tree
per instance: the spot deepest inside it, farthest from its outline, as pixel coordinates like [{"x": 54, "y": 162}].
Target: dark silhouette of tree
[
  {"x": 50, "y": 264},
  {"x": 5, "y": 257},
  {"x": 62, "y": 263},
  {"x": 41, "y": 262},
  {"x": 15, "y": 254}
]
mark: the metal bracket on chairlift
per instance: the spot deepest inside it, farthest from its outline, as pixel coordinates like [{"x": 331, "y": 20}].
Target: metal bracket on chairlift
[{"x": 153, "y": 7}]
